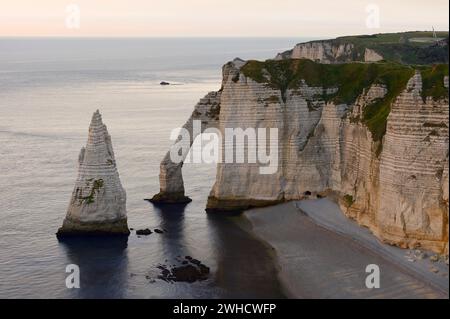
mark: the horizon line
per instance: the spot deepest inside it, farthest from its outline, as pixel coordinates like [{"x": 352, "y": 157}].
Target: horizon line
[{"x": 204, "y": 36}]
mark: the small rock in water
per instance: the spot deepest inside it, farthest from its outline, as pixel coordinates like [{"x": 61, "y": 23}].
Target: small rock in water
[
  {"x": 164, "y": 83},
  {"x": 185, "y": 272},
  {"x": 158, "y": 231},
  {"x": 144, "y": 232},
  {"x": 195, "y": 261},
  {"x": 204, "y": 269}
]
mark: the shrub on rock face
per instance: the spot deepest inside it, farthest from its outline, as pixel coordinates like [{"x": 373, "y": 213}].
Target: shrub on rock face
[{"x": 348, "y": 199}]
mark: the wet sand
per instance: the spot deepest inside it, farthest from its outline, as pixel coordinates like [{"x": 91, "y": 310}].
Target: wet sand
[{"x": 322, "y": 254}]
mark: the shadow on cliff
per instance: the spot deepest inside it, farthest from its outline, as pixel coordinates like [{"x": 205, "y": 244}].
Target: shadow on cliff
[{"x": 103, "y": 264}]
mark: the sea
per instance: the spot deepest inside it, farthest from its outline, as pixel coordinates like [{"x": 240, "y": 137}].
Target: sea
[{"x": 49, "y": 88}]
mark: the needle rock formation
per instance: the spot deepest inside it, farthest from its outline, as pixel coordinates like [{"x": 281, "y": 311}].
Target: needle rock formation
[{"x": 98, "y": 203}]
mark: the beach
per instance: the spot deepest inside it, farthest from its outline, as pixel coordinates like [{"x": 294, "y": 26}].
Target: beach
[{"x": 322, "y": 254}]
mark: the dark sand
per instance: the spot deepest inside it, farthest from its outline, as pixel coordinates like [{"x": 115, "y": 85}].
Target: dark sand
[{"x": 325, "y": 256}]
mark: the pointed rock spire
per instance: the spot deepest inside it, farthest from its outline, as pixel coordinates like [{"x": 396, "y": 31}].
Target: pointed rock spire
[{"x": 98, "y": 203}]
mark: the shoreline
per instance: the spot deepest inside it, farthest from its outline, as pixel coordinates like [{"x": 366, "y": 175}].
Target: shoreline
[{"x": 320, "y": 253}]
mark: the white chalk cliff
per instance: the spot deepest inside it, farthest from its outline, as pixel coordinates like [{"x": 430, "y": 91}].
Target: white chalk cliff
[
  {"x": 320, "y": 51},
  {"x": 329, "y": 52},
  {"x": 394, "y": 182},
  {"x": 98, "y": 203}
]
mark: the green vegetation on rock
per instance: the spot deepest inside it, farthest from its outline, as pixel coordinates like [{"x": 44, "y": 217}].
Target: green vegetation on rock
[
  {"x": 433, "y": 81},
  {"x": 395, "y": 78},
  {"x": 350, "y": 79},
  {"x": 95, "y": 189},
  {"x": 348, "y": 199},
  {"x": 417, "y": 47}
]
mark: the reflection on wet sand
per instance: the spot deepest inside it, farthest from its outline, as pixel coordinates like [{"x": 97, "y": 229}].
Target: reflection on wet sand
[
  {"x": 242, "y": 275},
  {"x": 103, "y": 265}
]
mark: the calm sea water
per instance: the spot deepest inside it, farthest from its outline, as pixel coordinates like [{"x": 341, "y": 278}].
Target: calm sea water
[{"x": 48, "y": 91}]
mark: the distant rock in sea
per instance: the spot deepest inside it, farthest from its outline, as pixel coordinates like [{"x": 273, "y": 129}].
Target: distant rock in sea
[
  {"x": 98, "y": 203},
  {"x": 144, "y": 232},
  {"x": 164, "y": 83}
]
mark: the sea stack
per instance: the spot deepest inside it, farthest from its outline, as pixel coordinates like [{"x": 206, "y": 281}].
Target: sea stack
[{"x": 98, "y": 203}]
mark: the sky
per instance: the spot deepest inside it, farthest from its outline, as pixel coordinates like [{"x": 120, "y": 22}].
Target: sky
[{"x": 225, "y": 18}]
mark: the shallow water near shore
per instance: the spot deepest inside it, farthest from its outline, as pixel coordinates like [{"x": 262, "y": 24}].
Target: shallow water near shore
[{"x": 48, "y": 91}]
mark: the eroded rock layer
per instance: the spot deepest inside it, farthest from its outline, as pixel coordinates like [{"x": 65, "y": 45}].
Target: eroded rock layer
[{"x": 98, "y": 203}]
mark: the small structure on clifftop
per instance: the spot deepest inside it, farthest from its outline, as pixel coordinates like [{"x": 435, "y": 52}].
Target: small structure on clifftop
[{"x": 98, "y": 203}]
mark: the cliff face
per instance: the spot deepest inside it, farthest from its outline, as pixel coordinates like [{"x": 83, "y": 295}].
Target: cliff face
[
  {"x": 321, "y": 51},
  {"x": 374, "y": 136},
  {"x": 98, "y": 202},
  {"x": 330, "y": 52},
  {"x": 399, "y": 194},
  {"x": 403, "y": 47}
]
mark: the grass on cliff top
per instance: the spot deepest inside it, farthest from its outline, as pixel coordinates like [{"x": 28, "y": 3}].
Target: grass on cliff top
[
  {"x": 432, "y": 81},
  {"x": 350, "y": 79},
  {"x": 411, "y": 37},
  {"x": 415, "y": 47}
]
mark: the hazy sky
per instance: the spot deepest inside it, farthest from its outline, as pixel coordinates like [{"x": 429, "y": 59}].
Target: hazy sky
[{"x": 297, "y": 18}]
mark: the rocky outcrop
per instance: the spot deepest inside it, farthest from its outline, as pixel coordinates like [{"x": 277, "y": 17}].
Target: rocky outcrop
[
  {"x": 379, "y": 145},
  {"x": 372, "y": 56},
  {"x": 98, "y": 203},
  {"x": 330, "y": 52},
  {"x": 321, "y": 51},
  {"x": 170, "y": 177},
  {"x": 206, "y": 112}
]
